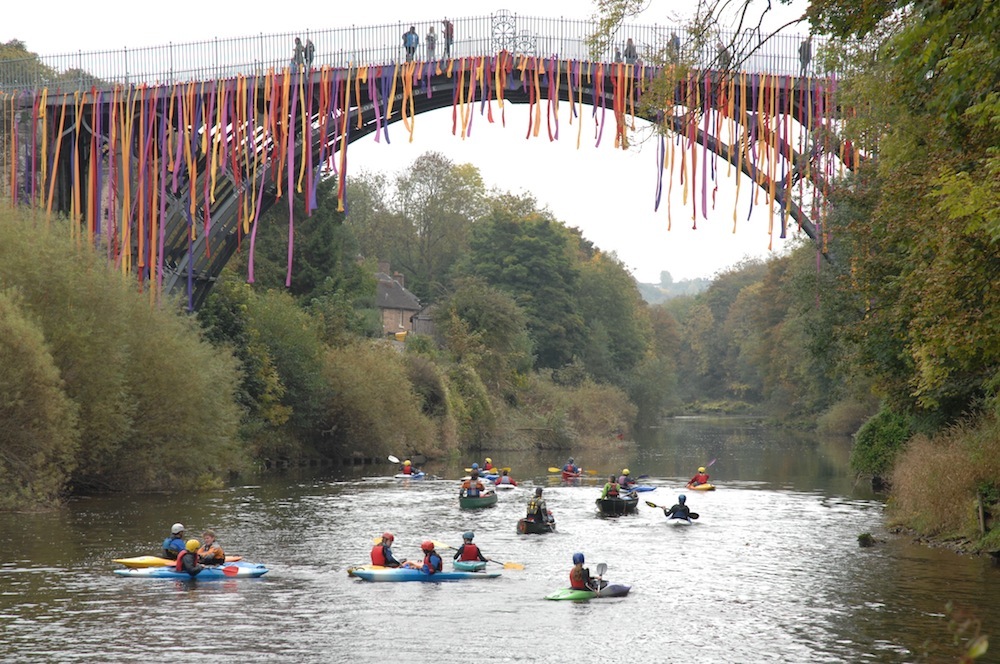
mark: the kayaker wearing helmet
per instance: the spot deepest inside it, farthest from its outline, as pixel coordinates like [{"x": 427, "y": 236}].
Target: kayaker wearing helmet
[
  {"x": 472, "y": 487},
  {"x": 407, "y": 468},
  {"x": 625, "y": 480},
  {"x": 505, "y": 478},
  {"x": 187, "y": 560},
  {"x": 211, "y": 552},
  {"x": 174, "y": 544},
  {"x": 468, "y": 550},
  {"x": 537, "y": 510},
  {"x": 432, "y": 561},
  {"x": 382, "y": 552},
  {"x": 678, "y": 511},
  {"x": 570, "y": 469},
  {"x": 700, "y": 478},
  {"x": 488, "y": 466},
  {"x": 579, "y": 576}
]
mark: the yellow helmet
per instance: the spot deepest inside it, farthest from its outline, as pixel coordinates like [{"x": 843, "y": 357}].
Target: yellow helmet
[
  {"x": 489, "y": 460},
  {"x": 192, "y": 545},
  {"x": 625, "y": 472},
  {"x": 701, "y": 469},
  {"x": 406, "y": 463}
]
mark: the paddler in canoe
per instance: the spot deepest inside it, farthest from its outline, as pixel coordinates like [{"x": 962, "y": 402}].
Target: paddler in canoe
[
  {"x": 701, "y": 477},
  {"x": 537, "y": 510},
  {"x": 579, "y": 576},
  {"x": 472, "y": 487},
  {"x": 174, "y": 544}
]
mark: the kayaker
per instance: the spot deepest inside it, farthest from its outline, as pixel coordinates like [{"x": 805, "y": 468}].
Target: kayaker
[
  {"x": 570, "y": 469},
  {"x": 678, "y": 511},
  {"x": 472, "y": 487},
  {"x": 468, "y": 550},
  {"x": 610, "y": 488},
  {"x": 537, "y": 510},
  {"x": 625, "y": 481},
  {"x": 408, "y": 468},
  {"x": 700, "y": 478},
  {"x": 382, "y": 552},
  {"x": 211, "y": 552},
  {"x": 187, "y": 560},
  {"x": 488, "y": 466},
  {"x": 432, "y": 561},
  {"x": 505, "y": 478},
  {"x": 174, "y": 544},
  {"x": 579, "y": 576}
]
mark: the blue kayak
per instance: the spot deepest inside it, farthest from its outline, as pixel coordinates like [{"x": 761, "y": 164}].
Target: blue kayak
[
  {"x": 639, "y": 488},
  {"x": 411, "y": 476},
  {"x": 407, "y": 574},
  {"x": 240, "y": 570}
]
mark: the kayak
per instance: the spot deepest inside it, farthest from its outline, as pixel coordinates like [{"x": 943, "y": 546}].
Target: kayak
[
  {"x": 482, "y": 500},
  {"x": 411, "y": 476},
  {"x": 526, "y": 527},
  {"x": 678, "y": 521},
  {"x": 155, "y": 561},
  {"x": 701, "y": 487},
  {"x": 469, "y": 565},
  {"x": 505, "y": 487},
  {"x": 617, "y": 506},
  {"x": 238, "y": 570},
  {"x": 640, "y": 488},
  {"x": 570, "y": 477},
  {"x": 356, "y": 568},
  {"x": 611, "y": 590},
  {"x": 405, "y": 574}
]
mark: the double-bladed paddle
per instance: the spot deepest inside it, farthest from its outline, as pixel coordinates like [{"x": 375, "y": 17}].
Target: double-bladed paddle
[
  {"x": 691, "y": 515},
  {"x": 601, "y": 569}
]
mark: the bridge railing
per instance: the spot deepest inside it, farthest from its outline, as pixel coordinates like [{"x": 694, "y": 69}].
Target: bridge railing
[{"x": 383, "y": 44}]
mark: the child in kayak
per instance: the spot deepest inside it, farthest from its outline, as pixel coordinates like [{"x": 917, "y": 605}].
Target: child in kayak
[
  {"x": 382, "y": 552},
  {"x": 579, "y": 576},
  {"x": 468, "y": 550},
  {"x": 211, "y": 552},
  {"x": 432, "y": 561}
]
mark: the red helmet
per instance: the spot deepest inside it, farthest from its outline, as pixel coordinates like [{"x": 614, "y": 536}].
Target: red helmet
[
  {"x": 427, "y": 546},
  {"x": 387, "y": 537}
]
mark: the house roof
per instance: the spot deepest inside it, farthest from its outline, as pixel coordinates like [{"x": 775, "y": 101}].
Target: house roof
[{"x": 389, "y": 294}]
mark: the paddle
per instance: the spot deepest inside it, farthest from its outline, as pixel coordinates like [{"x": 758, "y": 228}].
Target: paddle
[
  {"x": 553, "y": 469},
  {"x": 601, "y": 569},
  {"x": 393, "y": 459},
  {"x": 508, "y": 565},
  {"x": 691, "y": 515},
  {"x": 231, "y": 570}
]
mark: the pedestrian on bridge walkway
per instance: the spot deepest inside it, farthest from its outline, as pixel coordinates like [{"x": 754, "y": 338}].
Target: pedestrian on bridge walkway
[
  {"x": 805, "y": 55},
  {"x": 411, "y": 40},
  {"x": 449, "y": 36}
]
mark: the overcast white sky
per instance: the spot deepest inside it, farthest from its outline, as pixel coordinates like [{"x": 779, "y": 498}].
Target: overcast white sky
[{"x": 608, "y": 194}]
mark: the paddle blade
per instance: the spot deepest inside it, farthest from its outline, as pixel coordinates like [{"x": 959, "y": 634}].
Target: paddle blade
[
  {"x": 590, "y": 472},
  {"x": 553, "y": 469},
  {"x": 709, "y": 464},
  {"x": 230, "y": 570},
  {"x": 468, "y": 470},
  {"x": 377, "y": 539},
  {"x": 692, "y": 515},
  {"x": 510, "y": 565},
  {"x": 601, "y": 568},
  {"x": 652, "y": 504},
  {"x": 442, "y": 545},
  {"x": 393, "y": 459}
]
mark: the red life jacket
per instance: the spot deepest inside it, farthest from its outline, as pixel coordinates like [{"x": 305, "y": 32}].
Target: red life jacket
[
  {"x": 613, "y": 490},
  {"x": 178, "y": 564},
  {"x": 576, "y": 580},
  {"x": 427, "y": 563},
  {"x": 378, "y": 555},
  {"x": 487, "y": 466},
  {"x": 407, "y": 470},
  {"x": 700, "y": 478},
  {"x": 469, "y": 552}
]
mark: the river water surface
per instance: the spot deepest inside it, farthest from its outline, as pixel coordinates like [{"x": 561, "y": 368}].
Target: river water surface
[{"x": 771, "y": 572}]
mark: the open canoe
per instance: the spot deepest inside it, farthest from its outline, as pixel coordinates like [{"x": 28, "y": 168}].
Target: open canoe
[
  {"x": 469, "y": 565},
  {"x": 611, "y": 590},
  {"x": 482, "y": 500},
  {"x": 403, "y": 574},
  {"x": 617, "y": 506},
  {"x": 526, "y": 527},
  {"x": 707, "y": 486},
  {"x": 139, "y": 562},
  {"x": 238, "y": 570}
]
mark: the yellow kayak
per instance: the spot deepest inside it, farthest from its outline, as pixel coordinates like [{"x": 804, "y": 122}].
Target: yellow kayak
[
  {"x": 140, "y": 562},
  {"x": 701, "y": 487}
]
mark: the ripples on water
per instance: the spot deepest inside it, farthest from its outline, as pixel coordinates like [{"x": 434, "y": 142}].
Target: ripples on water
[{"x": 766, "y": 575}]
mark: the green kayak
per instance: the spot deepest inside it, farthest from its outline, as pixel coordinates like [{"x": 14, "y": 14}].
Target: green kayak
[{"x": 612, "y": 590}]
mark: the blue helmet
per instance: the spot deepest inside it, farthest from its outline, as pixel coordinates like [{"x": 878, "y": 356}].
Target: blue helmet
[
  {"x": 475, "y": 465},
  {"x": 577, "y": 558},
  {"x": 681, "y": 498},
  {"x": 468, "y": 535}
]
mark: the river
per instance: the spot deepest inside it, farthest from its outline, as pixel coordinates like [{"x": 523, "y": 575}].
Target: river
[{"x": 771, "y": 572}]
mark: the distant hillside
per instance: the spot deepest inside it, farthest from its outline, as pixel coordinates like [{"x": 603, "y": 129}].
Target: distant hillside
[{"x": 668, "y": 288}]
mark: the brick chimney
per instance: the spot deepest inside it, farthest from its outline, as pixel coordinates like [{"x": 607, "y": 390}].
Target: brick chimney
[
  {"x": 383, "y": 267},
  {"x": 398, "y": 278}
]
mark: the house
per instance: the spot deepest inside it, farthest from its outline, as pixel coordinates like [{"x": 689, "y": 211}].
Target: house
[{"x": 396, "y": 304}]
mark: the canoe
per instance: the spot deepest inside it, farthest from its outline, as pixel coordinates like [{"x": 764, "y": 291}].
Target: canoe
[
  {"x": 526, "y": 527},
  {"x": 469, "y": 565},
  {"x": 611, "y": 590},
  {"x": 403, "y": 574},
  {"x": 411, "y": 476},
  {"x": 483, "y": 500},
  {"x": 139, "y": 562},
  {"x": 238, "y": 570},
  {"x": 617, "y": 506},
  {"x": 707, "y": 486}
]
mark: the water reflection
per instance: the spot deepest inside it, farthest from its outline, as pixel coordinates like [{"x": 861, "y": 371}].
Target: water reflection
[{"x": 770, "y": 572}]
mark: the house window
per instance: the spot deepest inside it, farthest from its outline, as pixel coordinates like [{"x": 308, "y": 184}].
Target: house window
[{"x": 401, "y": 312}]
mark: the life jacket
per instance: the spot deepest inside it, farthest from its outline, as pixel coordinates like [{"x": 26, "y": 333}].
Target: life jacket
[
  {"x": 407, "y": 470},
  {"x": 212, "y": 555},
  {"x": 378, "y": 555},
  {"x": 700, "y": 478},
  {"x": 487, "y": 466},
  {"x": 472, "y": 490},
  {"x": 469, "y": 552},
  {"x": 577, "y": 580},
  {"x": 504, "y": 479},
  {"x": 535, "y": 510},
  {"x": 612, "y": 490},
  {"x": 172, "y": 546},
  {"x": 179, "y": 563},
  {"x": 429, "y": 564}
]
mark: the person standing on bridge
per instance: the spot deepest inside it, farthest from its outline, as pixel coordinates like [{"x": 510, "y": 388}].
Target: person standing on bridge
[
  {"x": 411, "y": 40},
  {"x": 310, "y": 53},
  {"x": 430, "y": 41},
  {"x": 675, "y": 48},
  {"x": 298, "y": 54},
  {"x": 725, "y": 57},
  {"x": 631, "y": 55},
  {"x": 805, "y": 55},
  {"x": 449, "y": 36}
]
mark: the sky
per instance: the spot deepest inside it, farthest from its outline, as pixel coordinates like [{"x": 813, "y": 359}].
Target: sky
[{"x": 609, "y": 194}]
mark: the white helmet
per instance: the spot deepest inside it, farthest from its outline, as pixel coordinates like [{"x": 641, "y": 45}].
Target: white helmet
[{"x": 177, "y": 528}]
